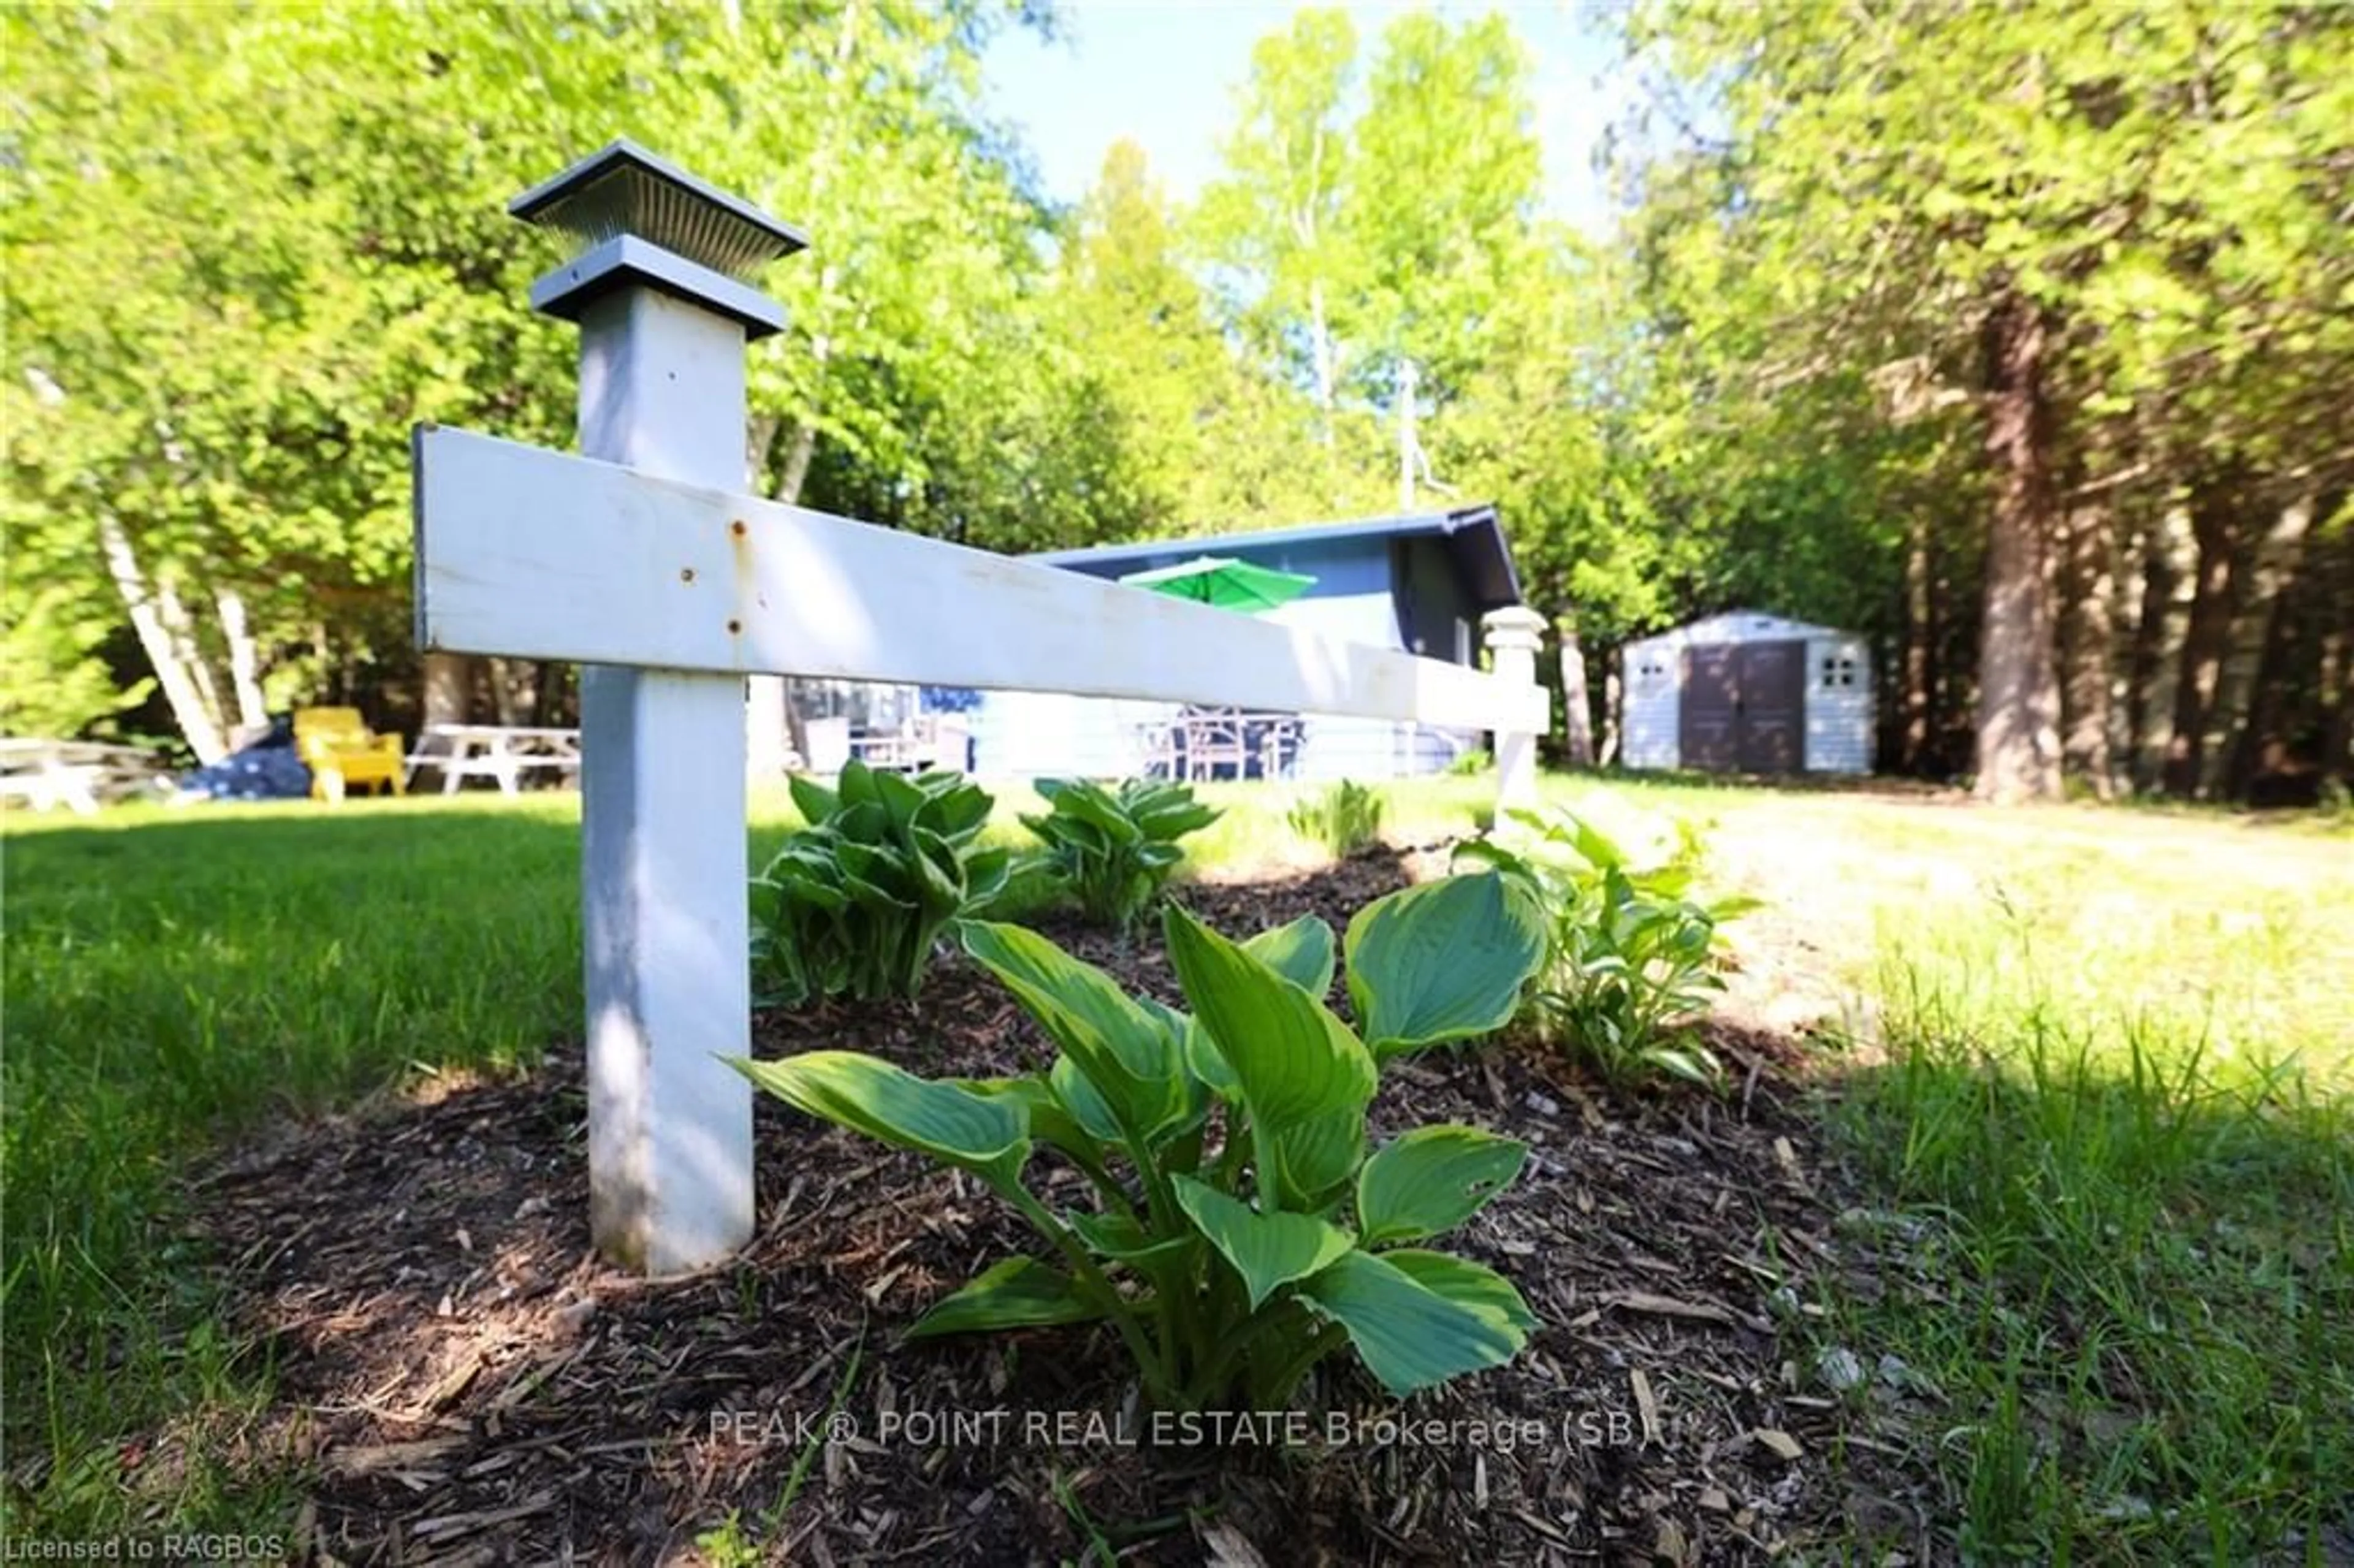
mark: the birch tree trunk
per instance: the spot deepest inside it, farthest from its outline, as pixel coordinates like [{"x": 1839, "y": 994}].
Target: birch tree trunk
[
  {"x": 184, "y": 688},
  {"x": 2018, "y": 678},
  {"x": 1576, "y": 710},
  {"x": 244, "y": 660},
  {"x": 1610, "y": 716}
]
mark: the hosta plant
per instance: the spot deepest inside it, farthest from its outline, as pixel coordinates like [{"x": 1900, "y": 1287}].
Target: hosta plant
[
  {"x": 855, "y": 902},
  {"x": 1345, "y": 818},
  {"x": 1632, "y": 961},
  {"x": 1240, "y": 1229},
  {"x": 1114, "y": 848}
]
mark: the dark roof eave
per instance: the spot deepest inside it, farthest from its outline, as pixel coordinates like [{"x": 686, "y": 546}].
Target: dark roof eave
[{"x": 1474, "y": 533}]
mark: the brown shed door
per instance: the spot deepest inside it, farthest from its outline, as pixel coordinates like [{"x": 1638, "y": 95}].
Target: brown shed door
[
  {"x": 1773, "y": 707},
  {"x": 1744, "y": 707},
  {"x": 1711, "y": 708}
]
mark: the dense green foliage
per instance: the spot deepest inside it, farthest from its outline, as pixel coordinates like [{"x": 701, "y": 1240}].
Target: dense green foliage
[
  {"x": 1114, "y": 850},
  {"x": 1242, "y": 1231},
  {"x": 855, "y": 901},
  {"x": 1343, "y": 817},
  {"x": 1631, "y": 961},
  {"x": 2018, "y": 336},
  {"x": 2014, "y": 338}
]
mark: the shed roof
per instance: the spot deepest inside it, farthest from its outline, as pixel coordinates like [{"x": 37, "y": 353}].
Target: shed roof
[
  {"x": 1739, "y": 626},
  {"x": 1474, "y": 538}
]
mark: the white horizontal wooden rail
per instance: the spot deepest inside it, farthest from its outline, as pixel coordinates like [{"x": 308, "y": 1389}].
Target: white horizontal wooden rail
[{"x": 538, "y": 554}]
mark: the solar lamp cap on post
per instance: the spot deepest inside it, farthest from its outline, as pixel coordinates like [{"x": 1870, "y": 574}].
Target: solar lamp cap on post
[{"x": 645, "y": 221}]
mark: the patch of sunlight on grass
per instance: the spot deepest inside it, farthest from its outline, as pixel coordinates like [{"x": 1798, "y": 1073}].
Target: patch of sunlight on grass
[{"x": 2110, "y": 1116}]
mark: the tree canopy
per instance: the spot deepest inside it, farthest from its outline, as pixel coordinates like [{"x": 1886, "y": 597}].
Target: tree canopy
[{"x": 2013, "y": 336}]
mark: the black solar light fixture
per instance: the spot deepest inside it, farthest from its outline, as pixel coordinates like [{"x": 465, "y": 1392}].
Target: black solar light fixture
[{"x": 643, "y": 219}]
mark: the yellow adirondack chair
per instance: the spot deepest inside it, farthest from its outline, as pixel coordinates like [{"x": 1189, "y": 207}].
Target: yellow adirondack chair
[{"x": 341, "y": 751}]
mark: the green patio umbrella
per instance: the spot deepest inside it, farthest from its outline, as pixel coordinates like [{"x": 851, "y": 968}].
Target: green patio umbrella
[{"x": 1225, "y": 582}]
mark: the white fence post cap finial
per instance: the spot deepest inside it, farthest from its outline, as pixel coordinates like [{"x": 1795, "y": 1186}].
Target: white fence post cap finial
[
  {"x": 646, "y": 221},
  {"x": 1514, "y": 626}
]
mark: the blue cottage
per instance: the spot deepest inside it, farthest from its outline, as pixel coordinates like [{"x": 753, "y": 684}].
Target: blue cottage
[{"x": 1418, "y": 582}]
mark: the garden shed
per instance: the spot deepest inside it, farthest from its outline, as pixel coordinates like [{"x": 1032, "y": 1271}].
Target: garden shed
[{"x": 1749, "y": 693}]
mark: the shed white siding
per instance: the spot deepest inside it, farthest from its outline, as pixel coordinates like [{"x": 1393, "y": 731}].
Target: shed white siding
[{"x": 1841, "y": 712}]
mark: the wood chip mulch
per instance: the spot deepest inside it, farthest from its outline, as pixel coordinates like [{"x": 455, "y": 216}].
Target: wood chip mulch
[{"x": 462, "y": 1381}]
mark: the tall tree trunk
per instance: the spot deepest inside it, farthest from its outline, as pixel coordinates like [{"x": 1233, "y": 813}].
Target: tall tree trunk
[
  {"x": 176, "y": 671},
  {"x": 449, "y": 680},
  {"x": 244, "y": 661},
  {"x": 2334, "y": 676},
  {"x": 2018, "y": 677},
  {"x": 503, "y": 692},
  {"x": 2215, "y": 583},
  {"x": 2157, "y": 630},
  {"x": 2247, "y": 701},
  {"x": 2087, "y": 640},
  {"x": 1576, "y": 710},
  {"x": 1913, "y": 748}
]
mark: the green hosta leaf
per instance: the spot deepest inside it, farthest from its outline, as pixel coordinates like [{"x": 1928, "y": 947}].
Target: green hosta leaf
[
  {"x": 985, "y": 875},
  {"x": 1597, "y": 848},
  {"x": 1442, "y": 961},
  {"x": 1019, "y": 1293},
  {"x": 1301, "y": 952},
  {"x": 813, "y": 800},
  {"x": 1110, "y": 1236},
  {"x": 958, "y": 812},
  {"x": 988, "y": 1134},
  {"x": 1080, "y": 1101},
  {"x": 1088, "y": 803},
  {"x": 1293, "y": 1059},
  {"x": 875, "y": 896},
  {"x": 1184, "y": 1032},
  {"x": 856, "y": 786},
  {"x": 1431, "y": 1180},
  {"x": 1201, "y": 1055},
  {"x": 1411, "y": 1336},
  {"x": 1050, "y": 1119},
  {"x": 861, "y": 823},
  {"x": 1169, "y": 814},
  {"x": 1467, "y": 1284},
  {"x": 1122, "y": 1050},
  {"x": 939, "y": 877},
  {"x": 1269, "y": 1250},
  {"x": 1321, "y": 1153},
  {"x": 901, "y": 798}
]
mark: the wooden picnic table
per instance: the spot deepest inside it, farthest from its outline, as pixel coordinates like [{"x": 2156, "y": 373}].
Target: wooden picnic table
[
  {"x": 76, "y": 774},
  {"x": 501, "y": 752}
]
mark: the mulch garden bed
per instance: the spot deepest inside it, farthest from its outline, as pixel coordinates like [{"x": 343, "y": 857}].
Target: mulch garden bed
[{"x": 465, "y": 1383}]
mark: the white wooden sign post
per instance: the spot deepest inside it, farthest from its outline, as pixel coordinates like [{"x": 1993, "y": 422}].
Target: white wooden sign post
[
  {"x": 652, "y": 568},
  {"x": 665, "y": 319}
]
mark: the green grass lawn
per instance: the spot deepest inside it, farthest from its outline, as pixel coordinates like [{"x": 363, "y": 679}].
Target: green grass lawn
[{"x": 2103, "y": 1132}]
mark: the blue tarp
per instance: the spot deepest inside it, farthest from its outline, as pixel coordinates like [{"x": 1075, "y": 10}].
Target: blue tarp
[{"x": 269, "y": 770}]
